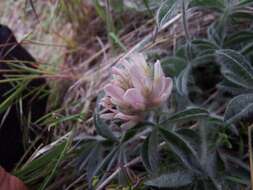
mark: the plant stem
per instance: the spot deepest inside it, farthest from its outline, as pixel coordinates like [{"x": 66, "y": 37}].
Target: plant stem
[
  {"x": 250, "y": 153},
  {"x": 111, "y": 177},
  {"x": 185, "y": 25}
]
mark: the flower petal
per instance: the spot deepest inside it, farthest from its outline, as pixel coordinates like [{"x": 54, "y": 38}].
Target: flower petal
[
  {"x": 159, "y": 80},
  {"x": 134, "y": 97},
  {"x": 158, "y": 87},
  {"x": 120, "y": 72},
  {"x": 139, "y": 60},
  {"x": 125, "y": 117},
  {"x": 168, "y": 89},
  {"x": 161, "y": 96},
  {"x": 115, "y": 92},
  {"x": 106, "y": 102},
  {"x": 158, "y": 71},
  {"x": 107, "y": 116},
  {"x": 137, "y": 77},
  {"x": 128, "y": 125},
  {"x": 116, "y": 71}
]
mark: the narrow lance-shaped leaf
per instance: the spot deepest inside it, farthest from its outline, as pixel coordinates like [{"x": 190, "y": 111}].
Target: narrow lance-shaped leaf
[
  {"x": 236, "y": 68},
  {"x": 167, "y": 10},
  {"x": 188, "y": 114},
  {"x": 149, "y": 152},
  {"x": 44, "y": 185},
  {"x": 13, "y": 97},
  {"x": 239, "y": 37},
  {"x": 172, "y": 180},
  {"x": 34, "y": 169},
  {"x": 239, "y": 107},
  {"x": 102, "y": 129},
  {"x": 93, "y": 162},
  {"x": 105, "y": 161},
  {"x": 172, "y": 66},
  {"x": 181, "y": 148},
  {"x": 216, "y": 4},
  {"x": 182, "y": 81}
]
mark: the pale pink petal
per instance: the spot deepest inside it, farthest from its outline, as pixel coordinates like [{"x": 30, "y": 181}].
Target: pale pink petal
[
  {"x": 139, "y": 60},
  {"x": 148, "y": 84},
  {"x": 125, "y": 117},
  {"x": 134, "y": 97},
  {"x": 158, "y": 71},
  {"x": 129, "y": 124},
  {"x": 125, "y": 64},
  {"x": 107, "y": 116},
  {"x": 117, "y": 71},
  {"x": 115, "y": 92},
  {"x": 140, "y": 81},
  {"x": 137, "y": 77},
  {"x": 159, "y": 80},
  {"x": 157, "y": 99},
  {"x": 144, "y": 72},
  {"x": 106, "y": 102},
  {"x": 168, "y": 89},
  {"x": 102, "y": 103},
  {"x": 120, "y": 72},
  {"x": 158, "y": 87},
  {"x": 106, "y": 109}
]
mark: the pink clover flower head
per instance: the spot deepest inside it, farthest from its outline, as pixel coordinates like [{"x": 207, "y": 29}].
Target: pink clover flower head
[{"x": 136, "y": 87}]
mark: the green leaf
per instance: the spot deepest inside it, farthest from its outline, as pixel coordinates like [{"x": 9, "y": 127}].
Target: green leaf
[
  {"x": 54, "y": 168},
  {"x": 239, "y": 107},
  {"x": 142, "y": 5},
  {"x": 117, "y": 5},
  {"x": 106, "y": 161},
  {"x": 236, "y": 68},
  {"x": 211, "y": 184},
  {"x": 117, "y": 41},
  {"x": 102, "y": 129},
  {"x": 217, "y": 4},
  {"x": 232, "y": 88},
  {"x": 94, "y": 160},
  {"x": 204, "y": 44},
  {"x": 216, "y": 31},
  {"x": 110, "y": 165},
  {"x": 188, "y": 114},
  {"x": 167, "y": 11},
  {"x": 123, "y": 177},
  {"x": 172, "y": 66},
  {"x": 63, "y": 119},
  {"x": 13, "y": 97},
  {"x": 181, "y": 148},
  {"x": 247, "y": 49},
  {"x": 239, "y": 37},
  {"x": 31, "y": 172},
  {"x": 243, "y": 14},
  {"x": 246, "y": 2},
  {"x": 149, "y": 152},
  {"x": 172, "y": 180},
  {"x": 132, "y": 132},
  {"x": 99, "y": 9},
  {"x": 182, "y": 81},
  {"x": 238, "y": 180}
]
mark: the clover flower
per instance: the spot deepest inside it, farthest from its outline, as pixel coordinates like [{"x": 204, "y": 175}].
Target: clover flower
[{"x": 136, "y": 87}]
